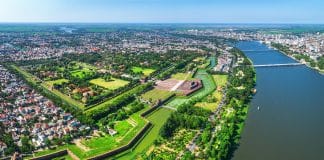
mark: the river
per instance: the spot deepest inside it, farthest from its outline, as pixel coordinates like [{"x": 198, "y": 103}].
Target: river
[{"x": 290, "y": 122}]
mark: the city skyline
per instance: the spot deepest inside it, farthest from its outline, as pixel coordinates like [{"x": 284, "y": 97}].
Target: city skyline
[{"x": 158, "y": 11}]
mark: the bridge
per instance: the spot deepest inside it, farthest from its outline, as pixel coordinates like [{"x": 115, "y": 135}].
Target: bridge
[
  {"x": 278, "y": 65},
  {"x": 257, "y": 50}
]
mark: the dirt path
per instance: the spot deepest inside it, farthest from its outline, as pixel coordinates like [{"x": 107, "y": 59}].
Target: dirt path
[{"x": 80, "y": 145}]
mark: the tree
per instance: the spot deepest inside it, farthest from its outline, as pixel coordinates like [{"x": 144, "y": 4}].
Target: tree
[
  {"x": 48, "y": 143},
  {"x": 206, "y": 135},
  {"x": 26, "y": 147},
  {"x": 67, "y": 138},
  {"x": 321, "y": 62}
]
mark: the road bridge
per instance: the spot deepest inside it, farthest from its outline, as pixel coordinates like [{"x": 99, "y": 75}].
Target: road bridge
[{"x": 278, "y": 65}]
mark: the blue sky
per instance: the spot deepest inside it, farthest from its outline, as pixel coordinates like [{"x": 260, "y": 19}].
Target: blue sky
[{"x": 161, "y": 11}]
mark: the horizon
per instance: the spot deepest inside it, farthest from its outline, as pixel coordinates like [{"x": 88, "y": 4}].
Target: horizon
[
  {"x": 163, "y": 11},
  {"x": 157, "y": 23}
]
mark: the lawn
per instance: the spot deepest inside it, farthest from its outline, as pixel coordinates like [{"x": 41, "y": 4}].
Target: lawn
[
  {"x": 81, "y": 70},
  {"x": 58, "y": 81},
  {"x": 208, "y": 106},
  {"x": 108, "y": 142},
  {"x": 157, "y": 118},
  {"x": 113, "y": 84},
  {"x": 155, "y": 94},
  {"x": 82, "y": 73},
  {"x": 182, "y": 76},
  {"x": 220, "y": 80},
  {"x": 122, "y": 127},
  {"x": 199, "y": 59},
  {"x": 145, "y": 71},
  {"x": 207, "y": 62}
]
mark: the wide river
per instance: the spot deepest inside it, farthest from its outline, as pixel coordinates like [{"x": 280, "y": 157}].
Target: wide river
[{"x": 290, "y": 122}]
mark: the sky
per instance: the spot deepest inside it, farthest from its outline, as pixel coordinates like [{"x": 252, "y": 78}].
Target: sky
[{"x": 163, "y": 11}]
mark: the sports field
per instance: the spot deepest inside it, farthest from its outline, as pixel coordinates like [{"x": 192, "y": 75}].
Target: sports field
[
  {"x": 113, "y": 84},
  {"x": 145, "y": 71}
]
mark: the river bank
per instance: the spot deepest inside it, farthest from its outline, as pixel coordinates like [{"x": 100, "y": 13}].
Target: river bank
[{"x": 321, "y": 71}]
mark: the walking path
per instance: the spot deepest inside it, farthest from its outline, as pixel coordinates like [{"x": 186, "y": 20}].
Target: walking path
[
  {"x": 168, "y": 107},
  {"x": 175, "y": 87}
]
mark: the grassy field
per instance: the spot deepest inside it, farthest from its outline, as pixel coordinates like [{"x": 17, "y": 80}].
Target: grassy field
[
  {"x": 209, "y": 86},
  {"x": 81, "y": 70},
  {"x": 182, "y": 76},
  {"x": 220, "y": 81},
  {"x": 145, "y": 71},
  {"x": 58, "y": 81},
  {"x": 108, "y": 142},
  {"x": 206, "y": 63},
  {"x": 155, "y": 94},
  {"x": 157, "y": 118},
  {"x": 207, "y": 105},
  {"x": 112, "y": 85},
  {"x": 199, "y": 59},
  {"x": 82, "y": 73}
]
